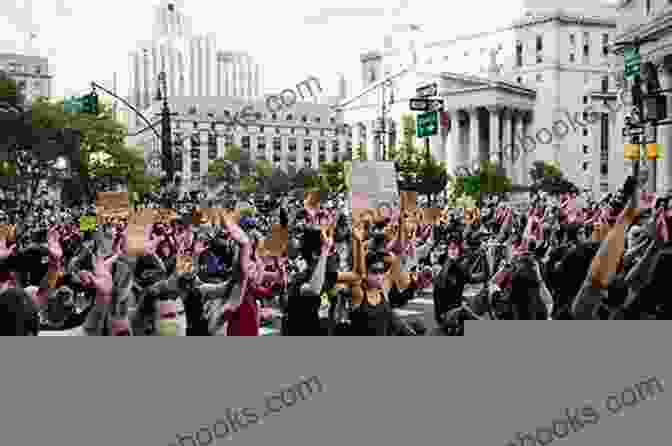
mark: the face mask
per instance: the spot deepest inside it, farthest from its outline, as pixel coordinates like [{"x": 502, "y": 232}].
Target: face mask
[
  {"x": 167, "y": 327},
  {"x": 375, "y": 280}
]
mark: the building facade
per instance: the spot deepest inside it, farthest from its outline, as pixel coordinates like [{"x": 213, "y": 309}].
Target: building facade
[
  {"x": 649, "y": 21},
  {"x": 523, "y": 79},
  {"x": 304, "y": 135},
  {"x": 31, "y": 74},
  {"x": 192, "y": 62}
]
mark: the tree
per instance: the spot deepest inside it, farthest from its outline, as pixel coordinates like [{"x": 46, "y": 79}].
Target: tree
[
  {"x": 9, "y": 91},
  {"x": 333, "y": 175},
  {"x": 432, "y": 176},
  {"x": 549, "y": 178},
  {"x": 102, "y": 147},
  {"x": 493, "y": 179},
  {"x": 360, "y": 153},
  {"x": 279, "y": 182},
  {"x": 542, "y": 169}
]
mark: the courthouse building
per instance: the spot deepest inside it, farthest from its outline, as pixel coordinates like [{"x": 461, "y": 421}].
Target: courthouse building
[{"x": 498, "y": 87}]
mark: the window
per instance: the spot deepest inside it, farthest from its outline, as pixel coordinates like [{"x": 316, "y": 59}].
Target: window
[
  {"x": 585, "y": 131},
  {"x": 605, "y": 84},
  {"x": 245, "y": 142},
  {"x": 604, "y": 169},
  {"x": 307, "y": 132},
  {"x": 292, "y": 130},
  {"x": 212, "y": 146},
  {"x": 38, "y": 69},
  {"x": 586, "y": 52},
  {"x": 228, "y": 139},
  {"x": 332, "y": 121},
  {"x": 317, "y": 120},
  {"x": 519, "y": 80},
  {"x": 290, "y": 117},
  {"x": 539, "y": 58},
  {"x": 304, "y": 118},
  {"x": 572, "y": 58},
  {"x": 21, "y": 85},
  {"x": 647, "y": 7},
  {"x": 261, "y": 129},
  {"x": 261, "y": 143},
  {"x": 540, "y": 43},
  {"x": 605, "y": 44},
  {"x": 277, "y": 130},
  {"x": 274, "y": 116},
  {"x": 572, "y": 40},
  {"x": 322, "y": 132},
  {"x": 307, "y": 145},
  {"x": 277, "y": 144},
  {"x": 291, "y": 145},
  {"x": 322, "y": 158},
  {"x": 322, "y": 146},
  {"x": 585, "y": 99},
  {"x": 334, "y": 146},
  {"x": 586, "y": 150},
  {"x": 585, "y": 166},
  {"x": 195, "y": 167},
  {"x": 539, "y": 77},
  {"x": 195, "y": 140}
]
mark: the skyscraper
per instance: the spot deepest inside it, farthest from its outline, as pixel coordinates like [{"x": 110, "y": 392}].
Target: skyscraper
[{"x": 192, "y": 63}]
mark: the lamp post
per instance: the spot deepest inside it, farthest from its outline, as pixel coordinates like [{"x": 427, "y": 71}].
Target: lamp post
[{"x": 166, "y": 142}]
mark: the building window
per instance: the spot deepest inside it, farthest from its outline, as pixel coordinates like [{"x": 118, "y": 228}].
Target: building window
[
  {"x": 277, "y": 130},
  {"x": 586, "y": 150},
  {"x": 572, "y": 40},
  {"x": 274, "y": 116},
  {"x": 585, "y": 132},
  {"x": 585, "y": 99},
  {"x": 322, "y": 158},
  {"x": 307, "y": 145},
  {"x": 604, "y": 169},
  {"x": 332, "y": 121},
  {"x": 322, "y": 132},
  {"x": 292, "y": 130},
  {"x": 228, "y": 139},
  {"x": 647, "y": 7},
  {"x": 290, "y": 117},
  {"x": 195, "y": 167},
  {"x": 539, "y": 58},
  {"x": 605, "y": 84},
  {"x": 585, "y": 166},
  {"x": 212, "y": 146},
  {"x": 334, "y": 146},
  {"x": 291, "y": 145},
  {"x": 540, "y": 43},
  {"x": 519, "y": 80},
  {"x": 317, "y": 120},
  {"x": 304, "y": 118},
  {"x": 195, "y": 140},
  {"x": 261, "y": 129},
  {"x": 277, "y": 144},
  {"x": 245, "y": 142},
  {"x": 572, "y": 58},
  {"x": 519, "y": 54},
  {"x": 307, "y": 132},
  {"x": 322, "y": 146},
  {"x": 261, "y": 143},
  {"x": 586, "y": 52},
  {"x": 605, "y": 44},
  {"x": 539, "y": 77},
  {"x": 38, "y": 69},
  {"x": 21, "y": 85}
]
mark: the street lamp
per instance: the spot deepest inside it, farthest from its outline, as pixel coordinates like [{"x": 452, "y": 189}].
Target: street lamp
[{"x": 166, "y": 142}]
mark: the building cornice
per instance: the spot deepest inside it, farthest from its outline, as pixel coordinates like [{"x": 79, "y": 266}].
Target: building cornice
[
  {"x": 659, "y": 25},
  {"x": 565, "y": 18}
]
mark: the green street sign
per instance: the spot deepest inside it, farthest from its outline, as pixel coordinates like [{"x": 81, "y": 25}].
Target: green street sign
[
  {"x": 427, "y": 124},
  {"x": 632, "y": 62},
  {"x": 73, "y": 105}
]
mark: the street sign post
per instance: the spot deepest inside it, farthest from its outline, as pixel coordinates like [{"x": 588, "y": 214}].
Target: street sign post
[
  {"x": 427, "y": 90},
  {"x": 427, "y": 124},
  {"x": 632, "y": 62},
  {"x": 633, "y": 131},
  {"x": 424, "y": 105}
]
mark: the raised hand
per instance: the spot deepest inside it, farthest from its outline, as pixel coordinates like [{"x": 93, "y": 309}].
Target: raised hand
[
  {"x": 152, "y": 241},
  {"x": 54, "y": 245},
  {"x": 100, "y": 279},
  {"x": 4, "y": 250}
]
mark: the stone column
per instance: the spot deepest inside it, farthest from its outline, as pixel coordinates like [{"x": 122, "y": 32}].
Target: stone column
[
  {"x": 495, "y": 147},
  {"x": 519, "y": 151},
  {"x": 454, "y": 149},
  {"x": 474, "y": 136},
  {"x": 528, "y": 156},
  {"x": 507, "y": 141}
]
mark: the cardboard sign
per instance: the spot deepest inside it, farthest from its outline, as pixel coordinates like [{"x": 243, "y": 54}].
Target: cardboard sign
[
  {"x": 185, "y": 264},
  {"x": 111, "y": 205},
  {"x": 8, "y": 232},
  {"x": 376, "y": 179}
]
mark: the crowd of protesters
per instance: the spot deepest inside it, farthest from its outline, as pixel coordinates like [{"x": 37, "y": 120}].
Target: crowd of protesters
[{"x": 324, "y": 269}]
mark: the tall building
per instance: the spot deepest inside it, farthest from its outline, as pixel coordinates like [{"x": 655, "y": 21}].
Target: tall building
[
  {"x": 192, "y": 62},
  {"x": 31, "y": 74},
  {"x": 650, "y": 22},
  {"x": 522, "y": 79},
  {"x": 304, "y": 135}
]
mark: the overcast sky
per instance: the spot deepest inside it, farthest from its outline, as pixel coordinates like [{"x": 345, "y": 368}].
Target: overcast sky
[{"x": 89, "y": 40}]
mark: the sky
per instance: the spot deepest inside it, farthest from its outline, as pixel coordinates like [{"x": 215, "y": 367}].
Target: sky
[{"x": 89, "y": 40}]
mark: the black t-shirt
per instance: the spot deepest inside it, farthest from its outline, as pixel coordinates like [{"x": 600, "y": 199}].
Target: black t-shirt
[
  {"x": 371, "y": 320},
  {"x": 303, "y": 311},
  {"x": 197, "y": 324}
]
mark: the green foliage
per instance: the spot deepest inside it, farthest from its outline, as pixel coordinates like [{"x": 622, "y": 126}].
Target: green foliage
[
  {"x": 360, "y": 153},
  {"x": 9, "y": 91},
  {"x": 543, "y": 169},
  {"x": 247, "y": 212},
  {"x": 333, "y": 177},
  {"x": 100, "y": 134},
  {"x": 493, "y": 179}
]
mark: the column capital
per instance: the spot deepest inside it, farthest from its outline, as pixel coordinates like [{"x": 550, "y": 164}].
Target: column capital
[
  {"x": 494, "y": 108},
  {"x": 472, "y": 109},
  {"x": 507, "y": 112}
]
